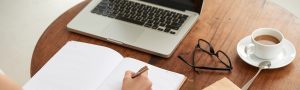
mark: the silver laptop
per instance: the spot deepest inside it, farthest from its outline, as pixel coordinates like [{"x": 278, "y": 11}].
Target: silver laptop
[{"x": 152, "y": 26}]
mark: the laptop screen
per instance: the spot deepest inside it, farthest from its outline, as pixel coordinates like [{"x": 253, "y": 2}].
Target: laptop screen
[{"x": 191, "y": 5}]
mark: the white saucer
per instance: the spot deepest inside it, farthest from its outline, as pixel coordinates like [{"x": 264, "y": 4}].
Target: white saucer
[{"x": 287, "y": 55}]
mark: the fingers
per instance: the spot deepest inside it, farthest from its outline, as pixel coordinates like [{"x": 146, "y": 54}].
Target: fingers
[
  {"x": 128, "y": 74},
  {"x": 145, "y": 74}
]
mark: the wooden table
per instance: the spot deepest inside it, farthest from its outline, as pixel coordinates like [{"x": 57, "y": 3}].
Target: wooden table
[{"x": 222, "y": 22}]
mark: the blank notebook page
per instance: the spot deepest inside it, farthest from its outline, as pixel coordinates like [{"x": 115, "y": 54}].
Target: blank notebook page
[
  {"x": 161, "y": 79},
  {"x": 77, "y": 66}
]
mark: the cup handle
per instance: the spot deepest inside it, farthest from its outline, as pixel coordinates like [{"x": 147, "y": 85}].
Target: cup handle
[{"x": 249, "y": 49}]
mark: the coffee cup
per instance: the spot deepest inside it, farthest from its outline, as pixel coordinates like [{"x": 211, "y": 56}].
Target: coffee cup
[{"x": 266, "y": 43}]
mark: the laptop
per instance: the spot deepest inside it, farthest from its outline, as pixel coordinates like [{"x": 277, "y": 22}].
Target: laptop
[{"x": 152, "y": 26}]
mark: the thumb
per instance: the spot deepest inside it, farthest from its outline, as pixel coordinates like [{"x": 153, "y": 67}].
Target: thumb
[
  {"x": 145, "y": 73},
  {"x": 128, "y": 74}
]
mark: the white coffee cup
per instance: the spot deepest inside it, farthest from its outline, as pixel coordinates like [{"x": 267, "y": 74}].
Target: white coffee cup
[{"x": 266, "y": 43}]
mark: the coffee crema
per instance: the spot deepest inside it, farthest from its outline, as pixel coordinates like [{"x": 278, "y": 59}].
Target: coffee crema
[{"x": 267, "y": 40}]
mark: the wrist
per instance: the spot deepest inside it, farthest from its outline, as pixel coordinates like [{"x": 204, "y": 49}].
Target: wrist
[{"x": 1, "y": 72}]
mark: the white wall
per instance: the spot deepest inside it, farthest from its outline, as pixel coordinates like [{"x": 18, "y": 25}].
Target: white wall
[
  {"x": 22, "y": 22},
  {"x": 291, "y": 5}
]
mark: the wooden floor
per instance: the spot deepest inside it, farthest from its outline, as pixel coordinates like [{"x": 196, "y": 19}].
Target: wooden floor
[{"x": 223, "y": 23}]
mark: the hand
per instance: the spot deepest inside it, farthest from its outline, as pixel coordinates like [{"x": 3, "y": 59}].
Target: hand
[
  {"x": 7, "y": 84},
  {"x": 138, "y": 83}
]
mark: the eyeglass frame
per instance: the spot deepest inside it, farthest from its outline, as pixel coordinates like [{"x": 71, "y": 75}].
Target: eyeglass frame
[{"x": 211, "y": 52}]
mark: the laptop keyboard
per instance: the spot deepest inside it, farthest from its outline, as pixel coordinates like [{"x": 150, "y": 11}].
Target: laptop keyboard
[{"x": 141, "y": 14}]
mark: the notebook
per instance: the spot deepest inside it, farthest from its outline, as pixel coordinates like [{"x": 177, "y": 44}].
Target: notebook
[
  {"x": 83, "y": 66},
  {"x": 223, "y": 84}
]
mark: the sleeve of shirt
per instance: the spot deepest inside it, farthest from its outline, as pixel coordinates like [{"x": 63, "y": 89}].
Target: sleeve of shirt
[{"x": 1, "y": 72}]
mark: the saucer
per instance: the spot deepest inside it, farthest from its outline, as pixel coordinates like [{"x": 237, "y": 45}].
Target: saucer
[{"x": 286, "y": 56}]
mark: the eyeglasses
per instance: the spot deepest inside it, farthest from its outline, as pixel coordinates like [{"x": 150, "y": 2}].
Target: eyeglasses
[{"x": 208, "y": 49}]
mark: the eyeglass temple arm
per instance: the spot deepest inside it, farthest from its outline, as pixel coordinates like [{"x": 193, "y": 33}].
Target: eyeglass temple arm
[
  {"x": 182, "y": 59},
  {"x": 209, "y": 68}
]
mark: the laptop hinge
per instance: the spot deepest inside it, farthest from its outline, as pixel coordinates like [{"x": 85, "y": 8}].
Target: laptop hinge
[{"x": 114, "y": 41}]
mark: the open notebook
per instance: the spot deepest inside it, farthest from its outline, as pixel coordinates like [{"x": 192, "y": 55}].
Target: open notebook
[{"x": 82, "y": 66}]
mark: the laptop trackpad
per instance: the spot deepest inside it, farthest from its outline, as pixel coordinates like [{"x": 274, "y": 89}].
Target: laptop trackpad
[{"x": 123, "y": 32}]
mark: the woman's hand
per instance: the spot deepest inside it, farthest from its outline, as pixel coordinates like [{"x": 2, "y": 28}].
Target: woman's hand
[
  {"x": 138, "y": 83},
  {"x": 7, "y": 84}
]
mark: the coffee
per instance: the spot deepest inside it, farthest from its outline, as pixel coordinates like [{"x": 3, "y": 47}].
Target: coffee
[{"x": 267, "y": 40}]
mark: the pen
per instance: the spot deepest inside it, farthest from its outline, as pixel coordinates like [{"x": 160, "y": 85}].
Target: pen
[{"x": 143, "y": 69}]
